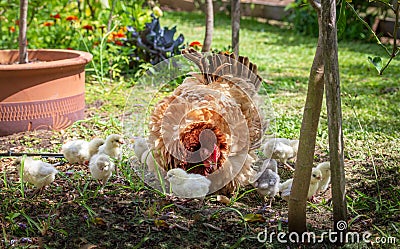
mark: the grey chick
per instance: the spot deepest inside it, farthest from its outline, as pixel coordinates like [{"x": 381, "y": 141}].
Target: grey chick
[{"x": 267, "y": 180}]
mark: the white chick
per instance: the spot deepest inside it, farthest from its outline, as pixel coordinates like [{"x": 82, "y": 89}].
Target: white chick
[
  {"x": 325, "y": 169},
  {"x": 37, "y": 172},
  {"x": 188, "y": 185},
  {"x": 101, "y": 168},
  {"x": 94, "y": 146},
  {"x": 111, "y": 147},
  {"x": 80, "y": 151},
  {"x": 281, "y": 149},
  {"x": 148, "y": 160},
  {"x": 76, "y": 151},
  {"x": 285, "y": 187},
  {"x": 140, "y": 146},
  {"x": 267, "y": 180}
]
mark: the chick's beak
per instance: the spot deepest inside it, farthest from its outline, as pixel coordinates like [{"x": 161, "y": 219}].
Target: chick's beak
[{"x": 121, "y": 141}]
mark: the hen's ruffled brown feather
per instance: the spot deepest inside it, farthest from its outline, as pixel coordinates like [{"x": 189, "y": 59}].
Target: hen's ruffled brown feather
[{"x": 222, "y": 100}]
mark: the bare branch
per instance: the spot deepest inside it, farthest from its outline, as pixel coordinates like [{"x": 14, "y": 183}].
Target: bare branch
[
  {"x": 386, "y": 4},
  {"x": 316, "y": 4},
  {"x": 368, "y": 27},
  {"x": 110, "y": 16},
  {"x": 395, "y": 49}
]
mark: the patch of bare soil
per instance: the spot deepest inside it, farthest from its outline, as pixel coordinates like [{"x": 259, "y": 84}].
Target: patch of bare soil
[{"x": 72, "y": 213}]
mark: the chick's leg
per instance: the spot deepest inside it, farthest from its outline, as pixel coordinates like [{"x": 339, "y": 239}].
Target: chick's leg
[
  {"x": 269, "y": 206},
  {"x": 201, "y": 203},
  {"x": 287, "y": 166},
  {"x": 36, "y": 192},
  {"x": 314, "y": 199},
  {"x": 104, "y": 182}
]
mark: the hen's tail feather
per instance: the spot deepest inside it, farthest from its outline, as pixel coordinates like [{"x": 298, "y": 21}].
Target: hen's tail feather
[
  {"x": 193, "y": 56},
  {"x": 210, "y": 66}
]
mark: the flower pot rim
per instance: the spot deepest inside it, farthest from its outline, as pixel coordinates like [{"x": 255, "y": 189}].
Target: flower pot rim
[{"x": 80, "y": 58}]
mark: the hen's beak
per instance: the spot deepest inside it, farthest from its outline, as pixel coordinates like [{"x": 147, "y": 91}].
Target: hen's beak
[{"x": 121, "y": 141}]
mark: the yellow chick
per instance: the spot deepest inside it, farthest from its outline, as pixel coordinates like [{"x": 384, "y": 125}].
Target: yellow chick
[
  {"x": 111, "y": 147},
  {"x": 285, "y": 187},
  {"x": 325, "y": 168}
]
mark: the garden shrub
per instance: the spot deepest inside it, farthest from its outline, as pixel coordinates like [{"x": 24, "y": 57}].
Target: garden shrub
[{"x": 303, "y": 18}]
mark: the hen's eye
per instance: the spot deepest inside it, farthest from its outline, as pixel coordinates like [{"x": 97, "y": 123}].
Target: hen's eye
[{"x": 314, "y": 175}]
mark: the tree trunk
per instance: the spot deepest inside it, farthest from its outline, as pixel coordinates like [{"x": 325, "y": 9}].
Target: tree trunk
[
  {"x": 333, "y": 103},
  {"x": 308, "y": 134},
  {"x": 23, "y": 14},
  {"x": 235, "y": 22},
  {"x": 209, "y": 26}
]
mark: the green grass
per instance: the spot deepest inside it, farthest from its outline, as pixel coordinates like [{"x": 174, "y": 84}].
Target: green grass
[{"x": 372, "y": 155}]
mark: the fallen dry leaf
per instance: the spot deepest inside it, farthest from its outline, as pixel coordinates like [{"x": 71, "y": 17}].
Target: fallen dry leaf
[
  {"x": 223, "y": 199},
  {"x": 161, "y": 223},
  {"x": 254, "y": 218},
  {"x": 99, "y": 221}
]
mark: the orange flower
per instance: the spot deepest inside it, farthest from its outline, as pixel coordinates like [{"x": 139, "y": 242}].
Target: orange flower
[
  {"x": 119, "y": 35},
  {"x": 48, "y": 24},
  {"x": 56, "y": 16},
  {"x": 12, "y": 29},
  {"x": 195, "y": 44},
  {"x": 72, "y": 18},
  {"x": 88, "y": 27}
]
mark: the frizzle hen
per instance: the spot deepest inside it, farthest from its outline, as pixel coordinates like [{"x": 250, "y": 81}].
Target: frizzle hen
[{"x": 211, "y": 123}]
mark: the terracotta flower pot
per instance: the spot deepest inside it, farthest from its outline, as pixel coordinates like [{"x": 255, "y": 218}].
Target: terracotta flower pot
[{"x": 47, "y": 94}]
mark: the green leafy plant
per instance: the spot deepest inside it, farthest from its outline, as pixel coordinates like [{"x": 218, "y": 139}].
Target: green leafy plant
[
  {"x": 304, "y": 20},
  {"x": 154, "y": 44},
  {"x": 303, "y": 17}
]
